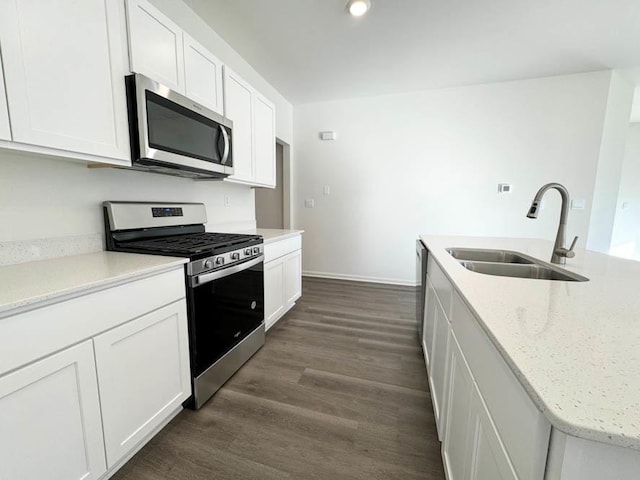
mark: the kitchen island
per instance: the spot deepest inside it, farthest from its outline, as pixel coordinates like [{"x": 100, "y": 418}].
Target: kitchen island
[{"x": 572, "y": 347}]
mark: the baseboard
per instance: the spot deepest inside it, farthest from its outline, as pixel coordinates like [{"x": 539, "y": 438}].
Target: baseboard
[{"x": 358, "y": 278}]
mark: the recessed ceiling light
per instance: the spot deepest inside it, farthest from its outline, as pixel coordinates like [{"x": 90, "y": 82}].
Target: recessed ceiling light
[{"x": 357, "y": 8}]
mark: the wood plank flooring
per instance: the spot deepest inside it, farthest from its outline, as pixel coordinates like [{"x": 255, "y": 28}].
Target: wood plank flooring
[{"x": 339, "y": 392}]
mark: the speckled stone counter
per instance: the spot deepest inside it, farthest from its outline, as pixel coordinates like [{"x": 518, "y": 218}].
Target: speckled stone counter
[
  {"x": 273, "y": 234},
  {"x": 26, "y": 285},
  {"x": 574, "y": 346}
]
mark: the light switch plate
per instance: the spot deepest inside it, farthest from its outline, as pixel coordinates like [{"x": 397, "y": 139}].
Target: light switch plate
[
  {"x": 309, "y": 203},
  {"x": 326, "y": 190},
  {"x": 578, "y": 203},
  {"x": 328, "y": 135}
]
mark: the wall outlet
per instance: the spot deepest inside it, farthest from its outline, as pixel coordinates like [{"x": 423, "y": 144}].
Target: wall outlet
[
  {"x": 227, "y": 200},
  {"x": 504, "y": 188},
  {"x": 309, "y": 203},
  {"x": 625, "y": 205},
  {"x": 326, "y": 190}
]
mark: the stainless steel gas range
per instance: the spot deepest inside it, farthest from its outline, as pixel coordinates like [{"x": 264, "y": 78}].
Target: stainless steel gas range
[{"x": 224, "y": 283}]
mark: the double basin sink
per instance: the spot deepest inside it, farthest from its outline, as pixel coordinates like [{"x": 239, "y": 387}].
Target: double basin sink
[{"x": 505, "y": 263}]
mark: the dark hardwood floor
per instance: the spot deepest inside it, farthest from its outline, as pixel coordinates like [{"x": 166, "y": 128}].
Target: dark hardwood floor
[{"x": 339, "y": 391}]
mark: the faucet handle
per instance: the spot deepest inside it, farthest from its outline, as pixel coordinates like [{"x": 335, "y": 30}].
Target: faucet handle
[{"x": 569, "y": 253}]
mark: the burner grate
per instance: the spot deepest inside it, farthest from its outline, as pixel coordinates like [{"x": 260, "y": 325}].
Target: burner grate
[{"x": 191, "y": 243}]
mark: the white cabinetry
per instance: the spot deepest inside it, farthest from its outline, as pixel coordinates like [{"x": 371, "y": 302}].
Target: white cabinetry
[
  {"x": 203, "y": 75},
  {"x": 438, "y": 379},
  {"x": 282, "y": 278},
  {"x": 64, "y": 68},
  {"x": 254, "y": 139},
  {"x": 5, "y": 129},
  {"x": 264, "y": 141},
  {"x": 489, "y": 426},
  {"x": 155, "y": 45},
  {"x": 143, "y": 375},
  {"x": 62, "y": 414},
  {"x": 162, "y": 51},
  {"x": 238, "y": 107},
  {"x": 50, "y": 425}
]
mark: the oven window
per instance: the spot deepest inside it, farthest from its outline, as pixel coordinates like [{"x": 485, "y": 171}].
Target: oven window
[
  {"x": 225, "y": 311},
  {"x": 173, "y": 128}
]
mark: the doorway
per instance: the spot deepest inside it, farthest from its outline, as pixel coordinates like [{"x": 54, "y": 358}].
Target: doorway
[{"x": 272, "y": 204}]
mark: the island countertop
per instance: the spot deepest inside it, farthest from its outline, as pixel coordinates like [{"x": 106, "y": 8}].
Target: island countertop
[{"x": 574, "y": 346}]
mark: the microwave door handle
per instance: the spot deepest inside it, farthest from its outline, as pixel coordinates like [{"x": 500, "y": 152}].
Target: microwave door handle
[
  {"x": 210, "y": 277},
  {"x": 225, "y": 153}
]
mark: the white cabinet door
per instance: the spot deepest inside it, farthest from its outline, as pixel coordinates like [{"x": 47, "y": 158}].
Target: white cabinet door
[
  {"x": 274, "y": 280},
  {"x": 292, "y": 277},
  {"x": 64, "y": 69},
  {"x": 488, "y": 457},
  {"x": 143, "y": 375},
  {"x": 203, "y": 75},
  {"x": 155, "y": 45},
  {"x": 439, "y": 368},
  {"x": 265, "y": 141},
  {"x": 429, "y": 323},
  {"x": 5, "y": 130},
  {"x": 458, "y": 432},
  {"x": 238, "y": 106},
  {"x": 50, "y": 424}
]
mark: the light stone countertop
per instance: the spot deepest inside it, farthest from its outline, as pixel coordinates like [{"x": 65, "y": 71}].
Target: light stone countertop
[
  {"x": 273, "y": 234},
  {"x": 574, "y": 346},
  {"x": 32, "y": 284}
]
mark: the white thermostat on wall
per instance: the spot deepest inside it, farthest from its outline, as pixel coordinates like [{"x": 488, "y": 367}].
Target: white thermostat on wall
[
  {"x": 329, "y": 135},
  {"x": 504, "y": 188}
]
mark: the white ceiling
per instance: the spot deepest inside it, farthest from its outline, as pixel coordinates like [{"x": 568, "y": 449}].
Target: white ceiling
[{"x": 312, "y": 50}]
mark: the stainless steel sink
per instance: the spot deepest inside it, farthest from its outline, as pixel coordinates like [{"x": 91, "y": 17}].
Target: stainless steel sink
[
  {"x": 534, "y": 271},
  {"x": 485, "y": 255},
  {"x": 506, "y": 263}
]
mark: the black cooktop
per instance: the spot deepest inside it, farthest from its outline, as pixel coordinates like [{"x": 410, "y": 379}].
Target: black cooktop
[{"x": 193, "y": 243}]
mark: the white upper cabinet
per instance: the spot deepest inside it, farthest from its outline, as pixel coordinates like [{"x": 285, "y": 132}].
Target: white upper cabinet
[
  {"x": 265, "y": 141},
  {"x": 203, "y": 75},
  {"x": 254, "y": 139},
  {"x": 155, "y": 45},
  {"x": 238, "y": 106},
  {"x": 64, "y": 65},
  {"x": 5, "y": 130}
]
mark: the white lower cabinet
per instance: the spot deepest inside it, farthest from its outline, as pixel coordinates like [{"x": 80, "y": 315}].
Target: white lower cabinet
[
  {"x": 454, "y": 449},
  {"x": 50, "y": 424},
  {"x": 282, "y": 278},
  {"x": 143, "y": 375},
  {"x": 489, "y": 427},
  {"x": 273, "y": 292},
  {"x": 438, "y": 378},
  {"x": 472, "y": 447},
  {"x": 104, "y": 373}
]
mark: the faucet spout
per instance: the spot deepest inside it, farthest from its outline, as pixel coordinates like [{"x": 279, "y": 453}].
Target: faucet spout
[{"x": 560, "y": 253}]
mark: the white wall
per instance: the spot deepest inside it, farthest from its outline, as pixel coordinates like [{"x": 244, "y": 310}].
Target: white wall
[
  {"x": 609, "y": 169},
  {"x": 626, "y": 232},
  {"x": 430, "y": 162},
  {"x": 186, "y": 18}
]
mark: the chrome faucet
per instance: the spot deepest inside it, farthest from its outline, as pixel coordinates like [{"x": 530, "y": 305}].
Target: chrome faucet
[{"x": 560, "y": 253}]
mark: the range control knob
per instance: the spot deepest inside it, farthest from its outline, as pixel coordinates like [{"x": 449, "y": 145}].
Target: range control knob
[
  {"x": 208, "y": 263},
  {"x": 235, "y": 256},
  {"x": 219, "y": 260},
  {"x": 256, "y": 250},
  {"x": 247, "y": 251}
]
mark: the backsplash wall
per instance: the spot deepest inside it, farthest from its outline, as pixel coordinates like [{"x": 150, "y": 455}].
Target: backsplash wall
[{"x": 60, "y": 201}]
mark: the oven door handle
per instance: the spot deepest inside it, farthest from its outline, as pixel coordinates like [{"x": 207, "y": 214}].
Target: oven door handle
[{"x": 209, "y": 277}]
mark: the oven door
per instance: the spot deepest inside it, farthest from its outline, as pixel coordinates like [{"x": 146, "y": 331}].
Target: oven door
[
  {"x": 176, "y": 132},
  {"x": 226, "y": 306}
]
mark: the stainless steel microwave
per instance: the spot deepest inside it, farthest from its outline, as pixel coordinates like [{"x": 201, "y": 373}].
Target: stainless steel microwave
[{"x": 174, "y": 135}]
